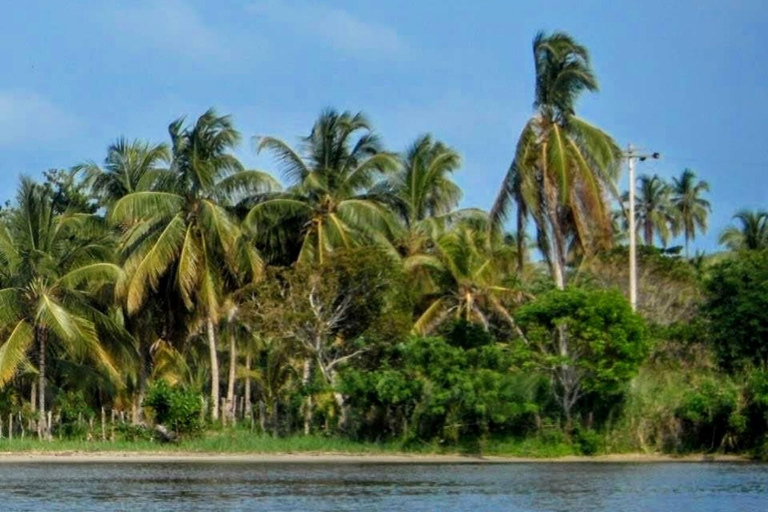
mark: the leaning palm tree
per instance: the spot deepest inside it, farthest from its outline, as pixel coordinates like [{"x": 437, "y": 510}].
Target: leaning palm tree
[
  {"x": 563, "y": 166},
  {"x": 182, "y": 228},
  {"x": 331, "y": 180},
  {"x": 751, "y": 235},
  {"x": 692, "y": 209},
  {"x": 467, "y": 279},
  {"x": 130, "y": 166},
  {"x": 655, "y": 213},
  {"x": 53, "y": 266}
]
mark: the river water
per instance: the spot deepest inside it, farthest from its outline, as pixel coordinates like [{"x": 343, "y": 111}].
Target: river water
[{"x": 566, "y": 487}]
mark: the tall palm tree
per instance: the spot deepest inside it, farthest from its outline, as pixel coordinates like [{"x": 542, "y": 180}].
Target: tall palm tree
[
  {"x": 331, "y": 180},
  {"x": 182, "y": 228},
  {"x": 654, "y": 210},
  {"x": 426, "y": 197},
  {"x": 130, "y": 166},
  {"x": 52, "y": 267},
  {"x": 751, "y": 235},
  {"x": 563, "y": 166},
  {"x": 466, "y": 279},
  {"x": 692, "y": 209}
]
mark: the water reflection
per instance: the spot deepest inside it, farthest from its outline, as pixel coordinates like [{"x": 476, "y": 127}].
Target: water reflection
[{"x": 519, "y": 487}]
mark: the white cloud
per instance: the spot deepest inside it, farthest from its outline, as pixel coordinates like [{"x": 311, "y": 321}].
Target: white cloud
[
  {"x": 28, "y": 119},
  {"x": 336, "y": 27},
  {"x": 168, "y": 26}
]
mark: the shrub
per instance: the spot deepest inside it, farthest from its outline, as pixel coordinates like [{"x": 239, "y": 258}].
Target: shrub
[
  {"x": 75, "y": 414},
  {"x": 737, "y": 301},
  {"x": 176, "y": 409}
]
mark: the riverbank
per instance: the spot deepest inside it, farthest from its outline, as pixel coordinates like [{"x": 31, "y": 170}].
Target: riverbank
[
  {"x": 339, "y": 458},
  {"x": 240, "y": 445}
]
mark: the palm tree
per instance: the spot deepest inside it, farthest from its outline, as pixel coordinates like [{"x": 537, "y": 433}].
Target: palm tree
[
  {"x": 692, "y": 209},
  {"x": 182, "y": 227},
  {"x": 563, "y": 166},
  {"x": 53, "y": 266},
  {"x": 654, "y": 210},
  {"x": 331, "y": 181},
  {"x": 751, "y": 235},
  {"x": 467, "y": 279},
  {"x": 130, "y": 166}
]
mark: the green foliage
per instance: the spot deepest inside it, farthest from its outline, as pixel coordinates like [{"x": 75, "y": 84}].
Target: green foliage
[
  {"x": 447, "y": 392},
  {"x": 176, "y": 409},
  {"x": 75, "y": 413},
  {"x": 736, "y": 306},
  {"x": 603, "y": 346}
]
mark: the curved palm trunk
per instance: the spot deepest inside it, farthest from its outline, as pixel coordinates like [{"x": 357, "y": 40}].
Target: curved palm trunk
[
  {"x": 214, "y": 371},
  {"x": 248, "y": 406},
  {"x": 43, "y": 429},
  {"x": 232, "y": 377}
]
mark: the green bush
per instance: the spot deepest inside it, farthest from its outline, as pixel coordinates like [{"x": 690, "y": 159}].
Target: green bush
[
  {"x": 588, "y": 441},
  {"x": 736, "y": 306},
  {"x": 75, "y": 414},
  {"x": 176, "y": 409}
]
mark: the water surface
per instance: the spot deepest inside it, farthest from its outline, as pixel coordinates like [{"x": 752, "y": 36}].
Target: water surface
[{"x": 566, "y": 487}]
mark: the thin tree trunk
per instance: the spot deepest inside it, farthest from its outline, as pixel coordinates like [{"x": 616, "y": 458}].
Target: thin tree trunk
[
  {"x": 144, "y": 357},
  {"x": 43, "y": 429},
  {"x": 214, "y": 371},
  {"x": 232, "y": 377},
  {"x": 308, "y": 402},
  {"x": 248, "y": 406}
]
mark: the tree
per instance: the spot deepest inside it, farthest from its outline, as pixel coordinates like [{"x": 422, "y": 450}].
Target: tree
[
  {"x": 654, "y": 210},
  {"x": 53, "y": 267},
  {"x": 466, "y": 280},
  {"x": 182, "y": 227},
  {"x": 130, "y": 166},
  {"x": 563, "y": 166},
  {"x": 330, "y": 187},
  {"x": 692, "y": 209},
  {"x": 751, "y": 235},
  {"x": 737, "y": 299},
  {"x": 605, "y": 346},
  {"x": 336, "y": 312}
]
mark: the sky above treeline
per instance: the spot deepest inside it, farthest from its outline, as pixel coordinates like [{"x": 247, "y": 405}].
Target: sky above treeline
[{"x": 687, "y": 79}]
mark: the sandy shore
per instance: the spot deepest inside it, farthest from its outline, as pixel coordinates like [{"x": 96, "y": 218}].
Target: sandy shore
[{"x": 327, "y": 458}]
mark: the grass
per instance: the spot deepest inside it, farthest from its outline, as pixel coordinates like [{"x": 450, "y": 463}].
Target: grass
[{"x": 240, "y": 441}]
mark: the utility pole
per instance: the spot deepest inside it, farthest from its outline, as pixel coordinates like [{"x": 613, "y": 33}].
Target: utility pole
[
  {"x": 632, "y": 229},
  {"x": 632, "y": 157}
]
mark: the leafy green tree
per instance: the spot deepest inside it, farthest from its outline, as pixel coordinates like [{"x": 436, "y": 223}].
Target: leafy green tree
[
  {"x": 331, "y": 187},
  {"x": 654, "y": 210},
  {"x": 53, "y": 265},
  {"x": 735, "y": 308},
  {"x": 605, "y": 344},
  {"x": 692, "y": 209},
  {"x": 130, "y": 166},
  {"x": 751, "y": 235},
  {"x": 182, "y": 226},
  {"x": 465, "y": 280},
  {"x": 563, "y": 166}
]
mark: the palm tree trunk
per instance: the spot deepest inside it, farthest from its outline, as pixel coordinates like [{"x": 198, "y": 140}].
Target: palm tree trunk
[
  {"x": 308, "y": 403},
  {"x": 648, "y": 233},
  {"x": 248, "y": 406},
  {"x": 232, "y": 376},
  {"x": 43, "y": 429},
  {"x": 214, "y": 371}
]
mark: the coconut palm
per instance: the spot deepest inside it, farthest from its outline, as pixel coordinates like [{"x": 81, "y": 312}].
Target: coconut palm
[
  {"x": 53, "y": 265},
  {"x": 331, "y": 180},
  {"x": 130, "y": 166},
  {"x": 467, "y": 279},
  {"x": 182, "y": 226},
  {"x": 752, "y": 234},
  {"x": 563, "y": 166},
  {"x": 692, "y": 209},
  {"x": 654, "y": 210}
]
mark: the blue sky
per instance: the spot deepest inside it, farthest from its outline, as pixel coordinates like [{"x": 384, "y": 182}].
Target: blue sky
[{"x": 687, "y": 79}]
